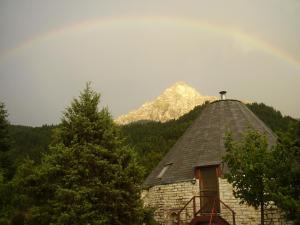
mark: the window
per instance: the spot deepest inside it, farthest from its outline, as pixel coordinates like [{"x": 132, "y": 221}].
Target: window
[{"x": 163, "y": 171}]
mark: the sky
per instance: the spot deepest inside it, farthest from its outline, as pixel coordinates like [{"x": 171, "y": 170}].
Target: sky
[{"x": 131, "y": 50}]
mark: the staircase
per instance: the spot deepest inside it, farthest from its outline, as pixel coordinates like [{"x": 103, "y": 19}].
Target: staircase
[{"x": 205, "y": 210}]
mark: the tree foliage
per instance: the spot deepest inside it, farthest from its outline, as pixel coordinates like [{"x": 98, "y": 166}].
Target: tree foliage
[
  {"x": 248, "y": 163},
  {"x": 88, "y": 177},
  {"x": 261, "y": 174},
  {"x": 4, "y": 124},
  {"x": 6, "y": 195},
  {"x": 29, "y": 142},
  {"x": 285, "y": 174},
  {"x": 5, "y": 144},
  {"x": 84, "y": 123}
]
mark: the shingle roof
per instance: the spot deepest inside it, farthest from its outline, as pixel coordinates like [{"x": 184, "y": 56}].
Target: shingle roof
[{"x": 203, "y": 142}]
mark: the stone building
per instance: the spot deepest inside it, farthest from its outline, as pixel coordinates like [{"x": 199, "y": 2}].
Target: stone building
[{"x": 188, "y": 187}]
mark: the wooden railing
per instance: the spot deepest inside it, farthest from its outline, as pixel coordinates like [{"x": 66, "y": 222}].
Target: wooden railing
[{"x": 204, "y": 206}]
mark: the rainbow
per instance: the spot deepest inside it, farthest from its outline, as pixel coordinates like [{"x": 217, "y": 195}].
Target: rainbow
[{"x": 97, "y": 23}]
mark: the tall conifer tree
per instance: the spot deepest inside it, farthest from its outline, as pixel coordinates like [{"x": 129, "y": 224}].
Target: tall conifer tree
[
  {"x": 6, "y": 168},
  {"x": 89, "y": 176},
  {"x": 4, "y": 136}
]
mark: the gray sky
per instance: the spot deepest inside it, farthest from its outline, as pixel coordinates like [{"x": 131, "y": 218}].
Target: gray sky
[{"x": 133, "y": 50}]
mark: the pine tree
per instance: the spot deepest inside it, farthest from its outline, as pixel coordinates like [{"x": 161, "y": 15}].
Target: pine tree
[
  {"x": 4, "y": 134},
  {"x": 89, "y": 176},
  {"x": 6, "y": 161},
  {"x": 6, "y": 167}
]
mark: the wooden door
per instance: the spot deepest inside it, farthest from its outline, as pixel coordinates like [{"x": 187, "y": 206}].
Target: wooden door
[{"x": 209, "y": 189}]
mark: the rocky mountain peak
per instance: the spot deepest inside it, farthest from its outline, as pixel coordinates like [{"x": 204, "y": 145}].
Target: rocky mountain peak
[
  {"x": 182, "y": 89},
  {"x": 174, "y": 102}
]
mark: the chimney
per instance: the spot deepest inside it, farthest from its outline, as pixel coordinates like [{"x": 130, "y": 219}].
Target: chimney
[{"x": 223, "y": 95}]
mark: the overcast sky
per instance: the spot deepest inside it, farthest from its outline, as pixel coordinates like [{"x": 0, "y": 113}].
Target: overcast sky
[{"x": 133, "y": 50}]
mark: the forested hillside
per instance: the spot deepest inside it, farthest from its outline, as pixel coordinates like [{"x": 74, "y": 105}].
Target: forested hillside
[
  {"x": 27, "y": 142},
  {"x": 30, "y": 141},
  {"x": 151, "y": 140},
  {"x": 271, "y": 117}
]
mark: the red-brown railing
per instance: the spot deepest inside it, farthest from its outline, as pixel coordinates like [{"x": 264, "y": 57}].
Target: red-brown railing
[
  {"x": 205, "y": 206},
  {"x": 213, "y": 212}
]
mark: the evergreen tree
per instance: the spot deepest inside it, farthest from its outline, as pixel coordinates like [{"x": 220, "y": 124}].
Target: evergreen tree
[
  {"x": 6, "y": 167},
  {"x": 5, "y": 142},
  {"x": 4, "y": 124},
  {"x": 88, "y": 177},
  {"x": 83, "y": 123}
]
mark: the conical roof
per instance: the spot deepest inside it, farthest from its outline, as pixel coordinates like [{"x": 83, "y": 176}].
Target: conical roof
[{"x": 202, "y": 144}]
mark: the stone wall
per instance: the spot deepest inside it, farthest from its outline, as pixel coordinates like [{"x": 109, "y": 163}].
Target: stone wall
[
  {"x": 168, "y": 199},
  {"x": 245, "y": 215}
]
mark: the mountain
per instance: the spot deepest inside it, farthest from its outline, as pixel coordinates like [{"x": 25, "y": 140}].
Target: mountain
[{"x": 174, "y": 102}]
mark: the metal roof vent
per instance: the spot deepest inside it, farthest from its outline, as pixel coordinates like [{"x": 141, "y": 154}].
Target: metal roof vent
[{"x": 223, "y": 95}]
